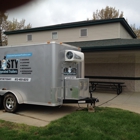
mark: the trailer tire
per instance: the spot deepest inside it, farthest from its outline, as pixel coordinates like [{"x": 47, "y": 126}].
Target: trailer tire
[{"x": 10, "y": 103}]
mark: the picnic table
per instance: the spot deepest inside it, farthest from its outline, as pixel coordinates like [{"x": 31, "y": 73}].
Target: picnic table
[{"x": 106, "y": 85}]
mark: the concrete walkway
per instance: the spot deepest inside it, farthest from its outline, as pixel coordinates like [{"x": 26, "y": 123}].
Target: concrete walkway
[
  {"x": 41, "y": 115},
  {"x": 126, "y": 100},
  {"x": 37, "y": 115}
]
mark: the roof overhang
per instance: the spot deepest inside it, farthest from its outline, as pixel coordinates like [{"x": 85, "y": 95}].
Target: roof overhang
[
  {"x": 111, "y": 48},
  {"x": 107, "y": 45}
]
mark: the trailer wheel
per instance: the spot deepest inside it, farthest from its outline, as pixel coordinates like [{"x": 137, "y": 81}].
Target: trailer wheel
[{"x": 10, "y": 103}]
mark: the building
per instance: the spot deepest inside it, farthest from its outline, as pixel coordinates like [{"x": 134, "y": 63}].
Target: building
[
  {"x": 71, "y": 32},
  {"x": 111, "y": 49}
]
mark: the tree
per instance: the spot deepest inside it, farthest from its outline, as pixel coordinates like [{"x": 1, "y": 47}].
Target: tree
[
  {"x": 3, "y": 18},
  {"x": 107, "y": 13},
  {"x": 136, "y": 30},
  {"x": 16, "y": 25},
  {"x": 8, "y": 25},
  {"x": 110, "y": 13}
]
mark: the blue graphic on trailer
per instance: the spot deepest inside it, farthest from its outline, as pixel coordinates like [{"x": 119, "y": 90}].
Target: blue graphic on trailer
[
  {"x": 19, "y": 55},
  {"x": 4, "y": 63}
]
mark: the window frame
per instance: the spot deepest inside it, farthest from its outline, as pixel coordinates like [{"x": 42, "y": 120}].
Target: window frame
[
  {"x": 56, "y": 36},
  {"x": 81, "y": 32},
  {"x": 28, "y": 36}
]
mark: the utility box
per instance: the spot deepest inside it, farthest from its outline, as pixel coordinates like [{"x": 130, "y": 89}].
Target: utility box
[{"x": 76, "y": 88}]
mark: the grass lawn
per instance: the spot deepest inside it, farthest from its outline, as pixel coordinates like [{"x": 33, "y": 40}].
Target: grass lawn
[{"x": 104, "y": 124}]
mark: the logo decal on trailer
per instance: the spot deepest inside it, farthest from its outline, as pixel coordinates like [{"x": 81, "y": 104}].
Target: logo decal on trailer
[
  {"x": 19, "y": 55},
  {"x": 8, "y": 66},
  {"x": 16, "y": 64}
]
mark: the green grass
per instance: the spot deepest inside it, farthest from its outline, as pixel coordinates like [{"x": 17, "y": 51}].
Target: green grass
[{"x": 104, "y": 124}]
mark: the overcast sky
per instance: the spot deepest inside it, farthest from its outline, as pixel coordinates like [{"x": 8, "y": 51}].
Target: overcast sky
[{"x": 51, "y": 12}]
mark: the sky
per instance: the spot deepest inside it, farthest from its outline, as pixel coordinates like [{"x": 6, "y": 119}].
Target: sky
[{"x": 50, "y": 12}]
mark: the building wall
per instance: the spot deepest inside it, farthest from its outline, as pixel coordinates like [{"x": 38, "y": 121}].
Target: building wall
[
  {"x": 96, "y": 32},
  {"x": 115, "y": 65},
  {"x": 124, "y": 33}
]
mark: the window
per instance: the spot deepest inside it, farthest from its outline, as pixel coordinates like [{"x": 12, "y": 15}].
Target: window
[
  {"x": 29, "y": 37},
  {"x": 54, "y": 35},
  {"x": 83, "y": 32}
]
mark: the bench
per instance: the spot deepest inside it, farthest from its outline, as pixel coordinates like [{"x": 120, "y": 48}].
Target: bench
[{"x": 106, "y": 85}]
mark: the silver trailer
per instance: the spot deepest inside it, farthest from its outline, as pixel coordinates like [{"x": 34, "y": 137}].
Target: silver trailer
[{"x": 42, "y": 74}]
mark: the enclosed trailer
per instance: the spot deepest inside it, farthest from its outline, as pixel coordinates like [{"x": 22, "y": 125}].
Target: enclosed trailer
[{"x": 42, "y": 74}]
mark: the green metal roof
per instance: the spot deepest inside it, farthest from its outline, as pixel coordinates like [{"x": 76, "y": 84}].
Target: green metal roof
[
  {"x": 107, "y": 45},
  {"x": 74, "y": 25}
]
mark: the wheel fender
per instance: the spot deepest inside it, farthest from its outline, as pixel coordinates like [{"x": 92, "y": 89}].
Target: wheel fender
[{"x": 17, "y": 95}]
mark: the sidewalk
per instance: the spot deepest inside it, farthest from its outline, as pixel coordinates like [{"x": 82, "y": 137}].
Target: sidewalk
[
  {"x": 126, "y": 100},
  {"x": 37, "y": 115}
]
